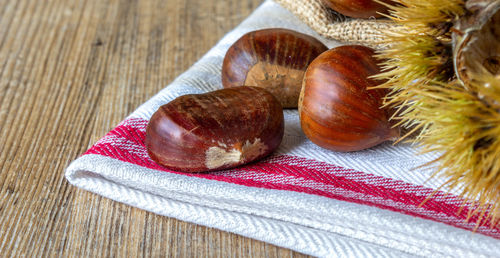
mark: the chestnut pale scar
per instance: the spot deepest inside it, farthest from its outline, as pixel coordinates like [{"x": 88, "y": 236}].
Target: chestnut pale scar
[
  {"x": 216, "y": 156},
  {"x": 215, "y": 130},
  {"x": 274, "y": 59}
]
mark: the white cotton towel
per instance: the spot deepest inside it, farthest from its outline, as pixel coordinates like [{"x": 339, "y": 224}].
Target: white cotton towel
[{"x": 305, "y": 198}]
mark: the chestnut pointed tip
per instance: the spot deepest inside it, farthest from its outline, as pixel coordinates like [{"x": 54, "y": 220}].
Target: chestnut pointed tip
[
  {"x": 394, "y": 134},
  {"x": 337, "y": 111}
]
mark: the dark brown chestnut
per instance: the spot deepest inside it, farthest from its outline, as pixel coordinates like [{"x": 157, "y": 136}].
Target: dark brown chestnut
[
  {"x": 216, "y": 130},
  {"x": 358, "y": 8},
  {"x": 337, "y": 111},
  {"x": 274, "y": 59}
]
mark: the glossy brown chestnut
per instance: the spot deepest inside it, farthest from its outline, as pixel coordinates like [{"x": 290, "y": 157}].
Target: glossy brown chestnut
[
  {"x": 357, "y": 8},
  {"x": 337, "y": 111},
  {"x": 274, "y": 59},
  {"x": 216, "y": 130}
]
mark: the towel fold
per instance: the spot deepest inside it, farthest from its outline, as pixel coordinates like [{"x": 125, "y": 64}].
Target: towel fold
[{"x": 303, "y": 197}]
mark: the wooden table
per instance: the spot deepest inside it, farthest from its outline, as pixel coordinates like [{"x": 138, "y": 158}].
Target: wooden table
[{"x": 69, "y": 71}]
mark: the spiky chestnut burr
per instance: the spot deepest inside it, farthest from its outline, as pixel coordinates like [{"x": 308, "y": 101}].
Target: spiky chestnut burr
[{"x": 442, "y": 71}]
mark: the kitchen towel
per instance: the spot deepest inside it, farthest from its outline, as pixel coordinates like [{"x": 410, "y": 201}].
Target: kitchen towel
[{"x": 303, "y": 197}]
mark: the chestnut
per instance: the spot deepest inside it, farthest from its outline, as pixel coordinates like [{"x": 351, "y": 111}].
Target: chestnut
[
  {"x": 274, "y": 59},
  {"x": 215, "y": 130},
  {"x": 337, "y": 110},
  {"x": 358, "y": 8}
]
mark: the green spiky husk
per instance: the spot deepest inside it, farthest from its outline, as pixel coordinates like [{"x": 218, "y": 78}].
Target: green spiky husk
[
  {"x": 465, "y": 128},
  {"x": 461, "y": 123}
]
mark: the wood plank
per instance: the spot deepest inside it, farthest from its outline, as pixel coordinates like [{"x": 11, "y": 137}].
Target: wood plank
[{"x": 70, "y": 70}]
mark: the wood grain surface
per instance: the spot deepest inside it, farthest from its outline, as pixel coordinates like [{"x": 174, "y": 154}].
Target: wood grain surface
[{"x": 69, "y": 71}]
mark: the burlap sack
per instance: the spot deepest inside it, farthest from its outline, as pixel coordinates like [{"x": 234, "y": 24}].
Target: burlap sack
[{"x": 328, "y": 23}]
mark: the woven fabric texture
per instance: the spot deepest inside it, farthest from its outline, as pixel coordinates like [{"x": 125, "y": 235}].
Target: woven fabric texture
[
  {"x": 368, "y": 32},
  {"x": 303, "y": 197}
]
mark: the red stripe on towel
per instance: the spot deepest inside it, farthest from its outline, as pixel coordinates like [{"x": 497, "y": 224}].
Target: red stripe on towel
[{"x": 298, "y": 174}]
